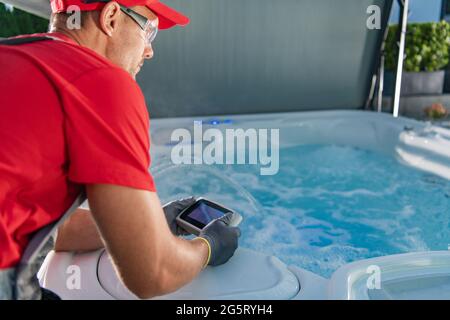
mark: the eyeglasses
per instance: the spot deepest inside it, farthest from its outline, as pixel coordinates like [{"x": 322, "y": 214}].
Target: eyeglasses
[{"x": 150, "y": 27}]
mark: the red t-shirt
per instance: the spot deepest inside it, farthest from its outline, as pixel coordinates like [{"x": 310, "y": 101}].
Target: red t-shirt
[{"x": 68, "y": 117}]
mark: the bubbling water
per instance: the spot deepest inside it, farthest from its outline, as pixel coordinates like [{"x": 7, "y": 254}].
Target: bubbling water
[{"x": 328, "y": 205}]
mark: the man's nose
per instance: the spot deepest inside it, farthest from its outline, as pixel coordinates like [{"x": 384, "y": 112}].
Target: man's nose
[{"x": 148, "y": 52}]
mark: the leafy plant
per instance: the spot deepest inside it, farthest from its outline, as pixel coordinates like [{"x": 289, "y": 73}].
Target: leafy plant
[
  {"x": 426, "y": 48},
  {"x": 436, "y": 111},
  {"x": 16, "y": 22}
]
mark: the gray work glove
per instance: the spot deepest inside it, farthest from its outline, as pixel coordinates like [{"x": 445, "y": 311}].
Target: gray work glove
[
  {"x": 222, "y": 239},
  {"x": 172, "y": 210}
]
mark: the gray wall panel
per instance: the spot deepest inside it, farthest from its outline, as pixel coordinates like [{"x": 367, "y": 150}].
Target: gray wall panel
[{"x": 252, "y": 56}]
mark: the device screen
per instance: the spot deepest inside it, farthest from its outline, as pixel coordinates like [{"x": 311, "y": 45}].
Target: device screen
[{"x": 203, "y": 212}]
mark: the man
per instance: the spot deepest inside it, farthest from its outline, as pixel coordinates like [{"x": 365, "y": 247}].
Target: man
[{"x": 73, "y": 117}]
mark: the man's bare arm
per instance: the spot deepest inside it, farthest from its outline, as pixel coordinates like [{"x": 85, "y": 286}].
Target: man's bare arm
[
  {"x": 79, "y": 233},
  {"x": 150, "y": 260}
]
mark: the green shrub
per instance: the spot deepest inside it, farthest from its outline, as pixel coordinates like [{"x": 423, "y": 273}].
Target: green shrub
[
  {"x": 20, "y": 22},
  {"x": 426, "y": 48}
]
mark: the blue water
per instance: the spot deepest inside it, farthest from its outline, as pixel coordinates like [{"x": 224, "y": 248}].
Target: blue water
[{"x": 327, "y": 206}]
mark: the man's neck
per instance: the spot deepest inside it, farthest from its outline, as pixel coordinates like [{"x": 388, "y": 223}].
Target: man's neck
[
  {"x": 72, "y": 36},
  {"x": 77, "y": 37}
]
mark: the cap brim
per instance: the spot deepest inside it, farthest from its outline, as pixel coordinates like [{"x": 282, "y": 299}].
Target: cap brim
[{"x": 167, "y": 16}]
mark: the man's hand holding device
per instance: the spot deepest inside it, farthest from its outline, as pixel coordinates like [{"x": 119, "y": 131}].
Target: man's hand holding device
[
  {"x": 172, "y": 210},
  {"x": 210, "y": 221}
]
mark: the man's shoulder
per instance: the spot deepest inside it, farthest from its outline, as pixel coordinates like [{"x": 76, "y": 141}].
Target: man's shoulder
[
  {"x": 110, "y": 88},
  {"x": 75, "y": 71},
  {"x": 110, "y": 78},
  {"x": 64, "y": 56}
]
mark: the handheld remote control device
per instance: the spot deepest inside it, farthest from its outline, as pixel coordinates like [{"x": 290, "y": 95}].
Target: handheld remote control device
[{"x": 204, "y": 212}]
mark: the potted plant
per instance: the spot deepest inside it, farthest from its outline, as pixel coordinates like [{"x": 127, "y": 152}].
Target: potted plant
[
  {"x": 436, "y": 112},
  {"x": 426, "y": 56}
]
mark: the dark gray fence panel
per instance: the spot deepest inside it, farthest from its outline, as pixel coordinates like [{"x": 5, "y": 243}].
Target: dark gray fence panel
[{"x": 253, "y": 56}]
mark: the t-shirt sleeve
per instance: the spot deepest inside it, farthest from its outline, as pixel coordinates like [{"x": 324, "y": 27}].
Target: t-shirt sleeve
[{"x": 107, "y": 130}]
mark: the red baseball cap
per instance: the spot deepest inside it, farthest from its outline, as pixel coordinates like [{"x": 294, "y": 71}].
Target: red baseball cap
[{"x": 167, "y": 16}]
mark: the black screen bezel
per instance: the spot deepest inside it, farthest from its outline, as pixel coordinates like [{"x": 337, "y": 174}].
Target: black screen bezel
[{"x": 185, "y": 215}]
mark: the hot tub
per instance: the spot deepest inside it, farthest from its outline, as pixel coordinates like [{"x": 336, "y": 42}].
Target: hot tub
[
  {"x": 356, "y": 193},
  {"x": 351, "y": 185}
]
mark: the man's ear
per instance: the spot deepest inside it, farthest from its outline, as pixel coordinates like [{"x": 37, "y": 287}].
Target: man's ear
[{"x": 110, "y": 17}]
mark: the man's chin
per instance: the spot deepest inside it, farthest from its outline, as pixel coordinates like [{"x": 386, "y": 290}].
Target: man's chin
[{"x": 135, "y": 72}]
